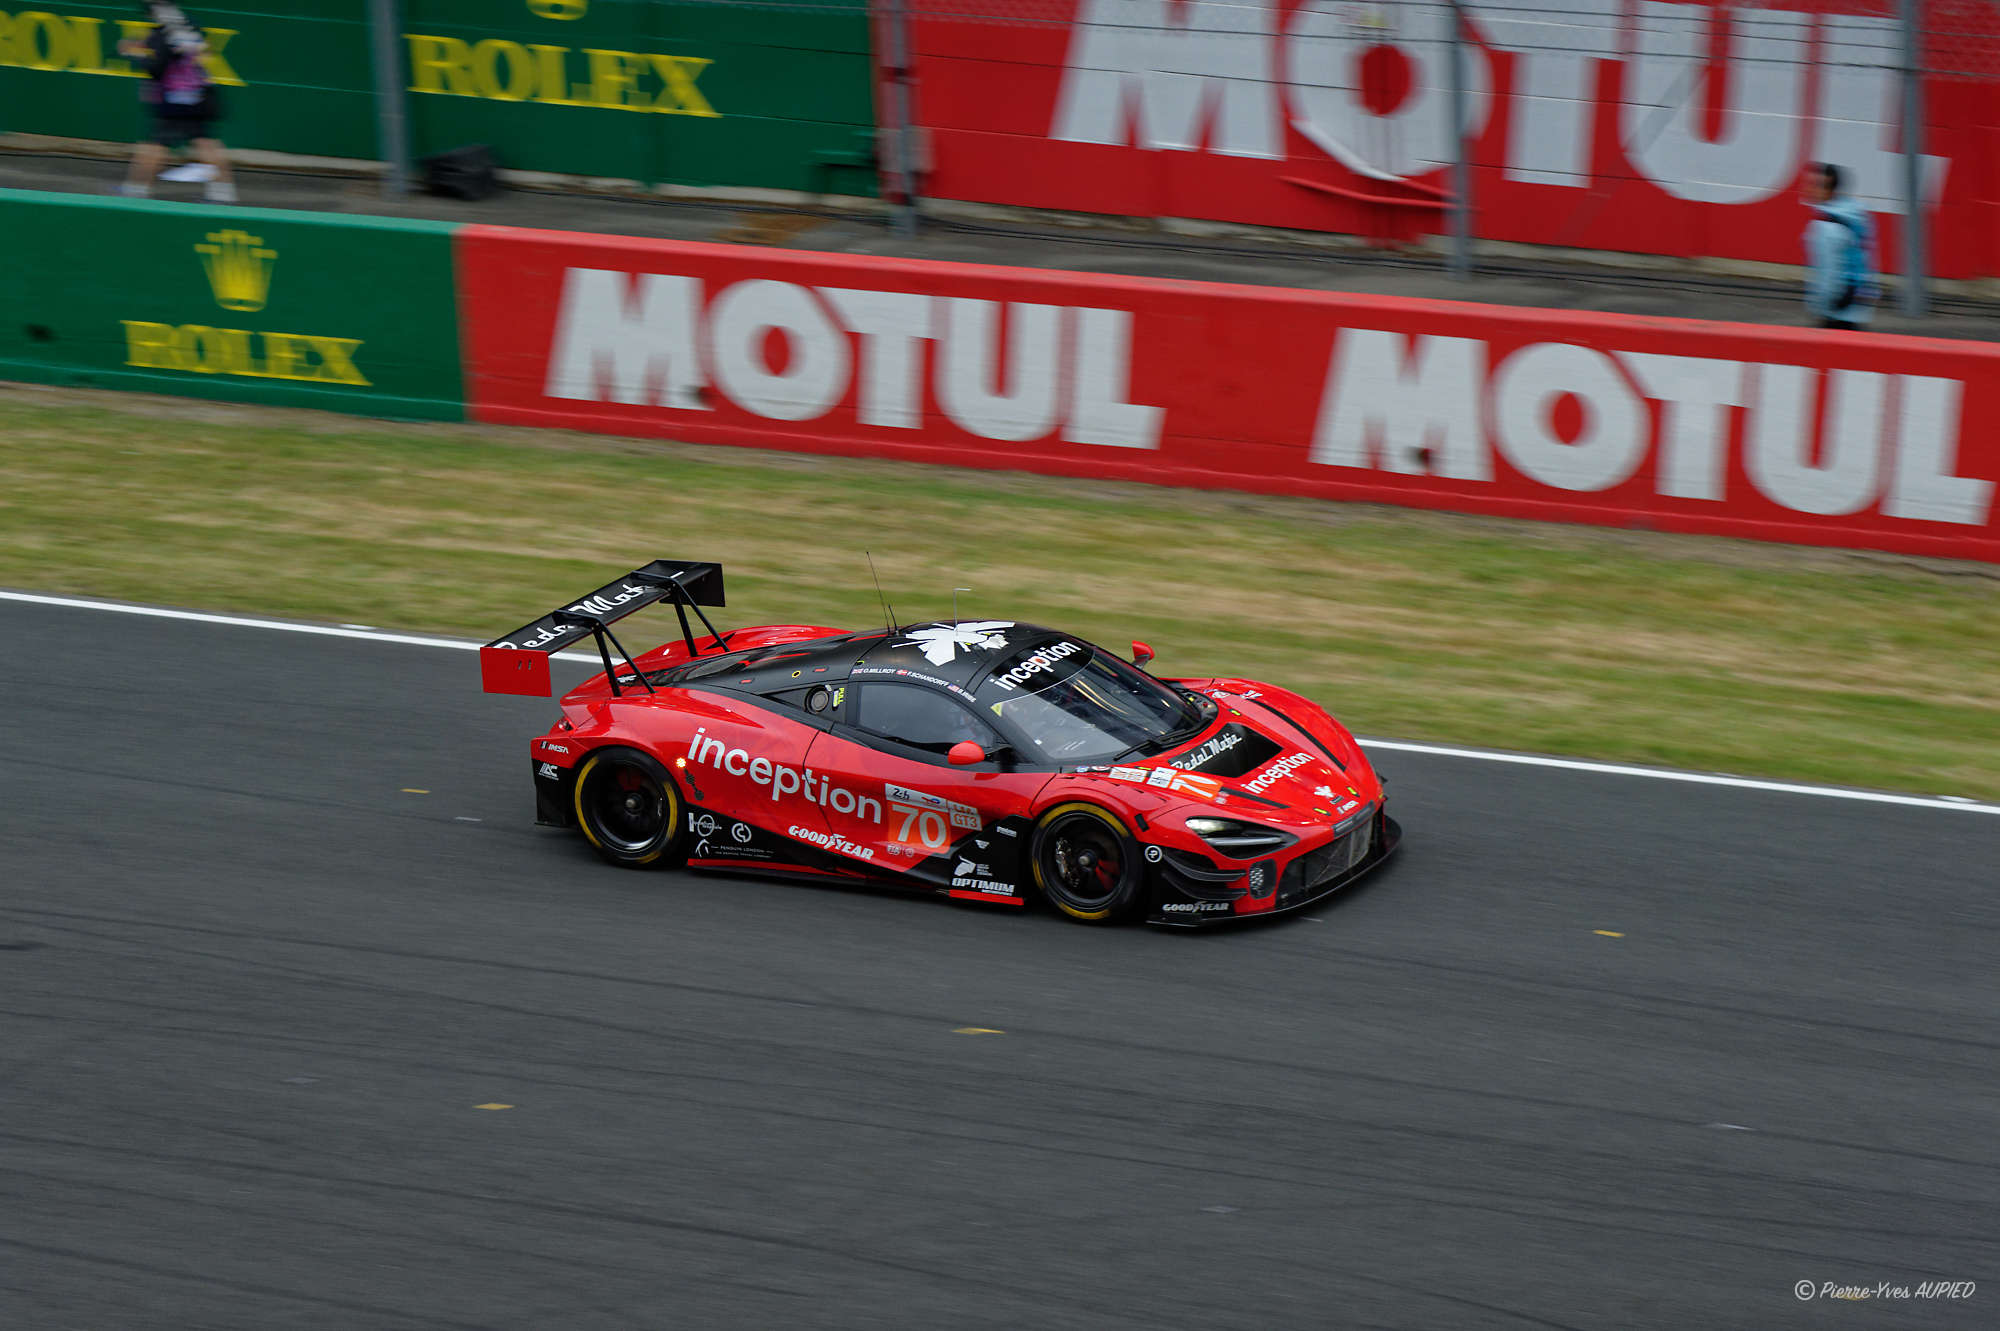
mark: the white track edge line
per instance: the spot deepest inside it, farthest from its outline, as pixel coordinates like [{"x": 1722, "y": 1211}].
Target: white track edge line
[
  {"x": 1398, "y": 746},
  {"x": 1965, "y": 805}
]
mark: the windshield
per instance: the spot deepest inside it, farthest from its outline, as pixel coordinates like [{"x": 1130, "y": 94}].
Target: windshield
[{"x": 1080, "y": 705}]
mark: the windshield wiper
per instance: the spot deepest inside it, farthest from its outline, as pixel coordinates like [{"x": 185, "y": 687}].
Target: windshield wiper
[{"x": 1166, "y": 741}]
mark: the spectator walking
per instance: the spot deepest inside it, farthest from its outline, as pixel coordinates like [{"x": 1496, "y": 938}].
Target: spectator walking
[
  {"x": 1841, "y": 285},
  {"x": 181, "y": 102}
]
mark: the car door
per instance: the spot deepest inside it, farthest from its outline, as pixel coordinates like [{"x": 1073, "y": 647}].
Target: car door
[
  {"x": 748, "y": 781},
  {"x": 951, "y": 827}
]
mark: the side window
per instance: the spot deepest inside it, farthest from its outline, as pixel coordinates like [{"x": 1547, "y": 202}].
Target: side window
[{"x": 920, "y": 717}]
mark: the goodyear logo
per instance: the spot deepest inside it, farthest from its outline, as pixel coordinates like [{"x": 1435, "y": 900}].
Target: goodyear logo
[{"x": 239, "y": 269}]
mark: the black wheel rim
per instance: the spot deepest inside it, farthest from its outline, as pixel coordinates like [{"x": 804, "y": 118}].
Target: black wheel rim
[
  {"x": 1083, "y": 861},
  {"x": 628, "y": 808}
]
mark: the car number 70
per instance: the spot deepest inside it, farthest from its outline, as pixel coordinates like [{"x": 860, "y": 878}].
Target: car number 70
[{"x": 929, "y": 825}]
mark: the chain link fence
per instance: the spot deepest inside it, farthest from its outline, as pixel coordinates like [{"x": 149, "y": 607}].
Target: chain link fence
[{"x": 1962, "y": 39}]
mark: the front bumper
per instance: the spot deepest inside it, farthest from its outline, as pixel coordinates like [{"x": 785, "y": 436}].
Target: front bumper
[{"x": 1307, "y": 879}]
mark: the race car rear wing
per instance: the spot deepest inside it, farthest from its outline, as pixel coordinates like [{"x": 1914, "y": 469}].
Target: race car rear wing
[{"x": 519, "y": 662}]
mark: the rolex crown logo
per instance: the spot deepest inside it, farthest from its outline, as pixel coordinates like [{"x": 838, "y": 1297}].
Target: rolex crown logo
[{"x": 239, "y": 269}]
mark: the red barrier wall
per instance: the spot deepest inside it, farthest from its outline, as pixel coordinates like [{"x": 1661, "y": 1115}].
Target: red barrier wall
[
  {"x": 1633, "y": 125},
  {"x": 1861, "y": 440}
]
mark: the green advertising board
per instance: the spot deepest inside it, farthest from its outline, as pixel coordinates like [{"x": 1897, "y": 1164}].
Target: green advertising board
[
  {"x": 246, "y": 304},
  {"x": 293, "y": 74},
  {"x": 688, "y": 92},
  {"x": 692, "y": 93}
]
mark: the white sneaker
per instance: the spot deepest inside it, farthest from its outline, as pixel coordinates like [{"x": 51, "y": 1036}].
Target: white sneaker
[
  {"x": 198, "y": 173},
  {"x": 219, "y": 191}
]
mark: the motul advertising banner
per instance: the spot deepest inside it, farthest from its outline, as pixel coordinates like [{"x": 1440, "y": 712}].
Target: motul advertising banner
[
  {"x": 1857, "y": 440},
  {"x": 1638, "y": 125}
]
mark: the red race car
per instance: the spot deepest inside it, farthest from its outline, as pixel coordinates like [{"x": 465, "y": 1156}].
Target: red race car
[{"x": 976, "y": 758}]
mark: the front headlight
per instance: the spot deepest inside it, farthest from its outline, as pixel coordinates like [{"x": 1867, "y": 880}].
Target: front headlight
[{"x": 1239, "y": 840}]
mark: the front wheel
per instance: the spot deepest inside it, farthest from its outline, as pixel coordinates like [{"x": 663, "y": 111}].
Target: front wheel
[
  {"x": 1087, "y": 864},
  {"x": 628, "y": 808}
]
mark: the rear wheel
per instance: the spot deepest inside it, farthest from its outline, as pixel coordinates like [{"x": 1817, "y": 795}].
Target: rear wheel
[
  {"x": 628, "y": 807},
  {"x": 1086, "y": 863}
]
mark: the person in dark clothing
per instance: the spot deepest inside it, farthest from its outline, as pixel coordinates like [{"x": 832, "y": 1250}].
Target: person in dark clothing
[
  {"x": 1841, "y": 286},
  {"x": 180, "y": 99}
]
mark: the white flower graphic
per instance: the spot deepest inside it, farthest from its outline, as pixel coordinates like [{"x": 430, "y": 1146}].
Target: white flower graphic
[{"x": 942, "y": 642}]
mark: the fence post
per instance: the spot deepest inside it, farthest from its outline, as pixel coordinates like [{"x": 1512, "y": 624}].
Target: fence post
[
  {"x": 1916, "y": 222},
  {"x": 901, "y": 147},
  {"x": 1460, "y": 265},
  {"x": 392, "y": 131}
]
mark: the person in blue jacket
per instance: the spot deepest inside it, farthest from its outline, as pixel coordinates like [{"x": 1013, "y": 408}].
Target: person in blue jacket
[{"x": 1841, "y": 287}]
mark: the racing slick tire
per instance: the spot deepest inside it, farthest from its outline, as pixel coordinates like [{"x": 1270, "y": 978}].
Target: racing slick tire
[
  {"x": 1086, "y": 863},
  {"x": 629, "y": 809}
]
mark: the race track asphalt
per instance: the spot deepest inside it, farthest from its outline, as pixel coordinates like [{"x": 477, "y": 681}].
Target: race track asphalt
[{"x": 255, "y": 993}]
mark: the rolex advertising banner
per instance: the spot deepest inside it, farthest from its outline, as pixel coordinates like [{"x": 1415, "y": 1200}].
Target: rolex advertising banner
[
  {"x": 690, "y": 92},
  {"x": 773, "y": 95},
  {"x": 292, "y": 75},
  {"x": 246, "y": 304}
]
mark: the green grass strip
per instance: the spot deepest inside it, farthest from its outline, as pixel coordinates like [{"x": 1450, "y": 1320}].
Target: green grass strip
[{"x": 1691, "y": 652}]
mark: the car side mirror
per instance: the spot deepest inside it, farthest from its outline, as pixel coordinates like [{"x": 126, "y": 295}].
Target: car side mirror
[
  {"x": 1141, "y": 653},
  {"x": 965, "y": 753}
]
